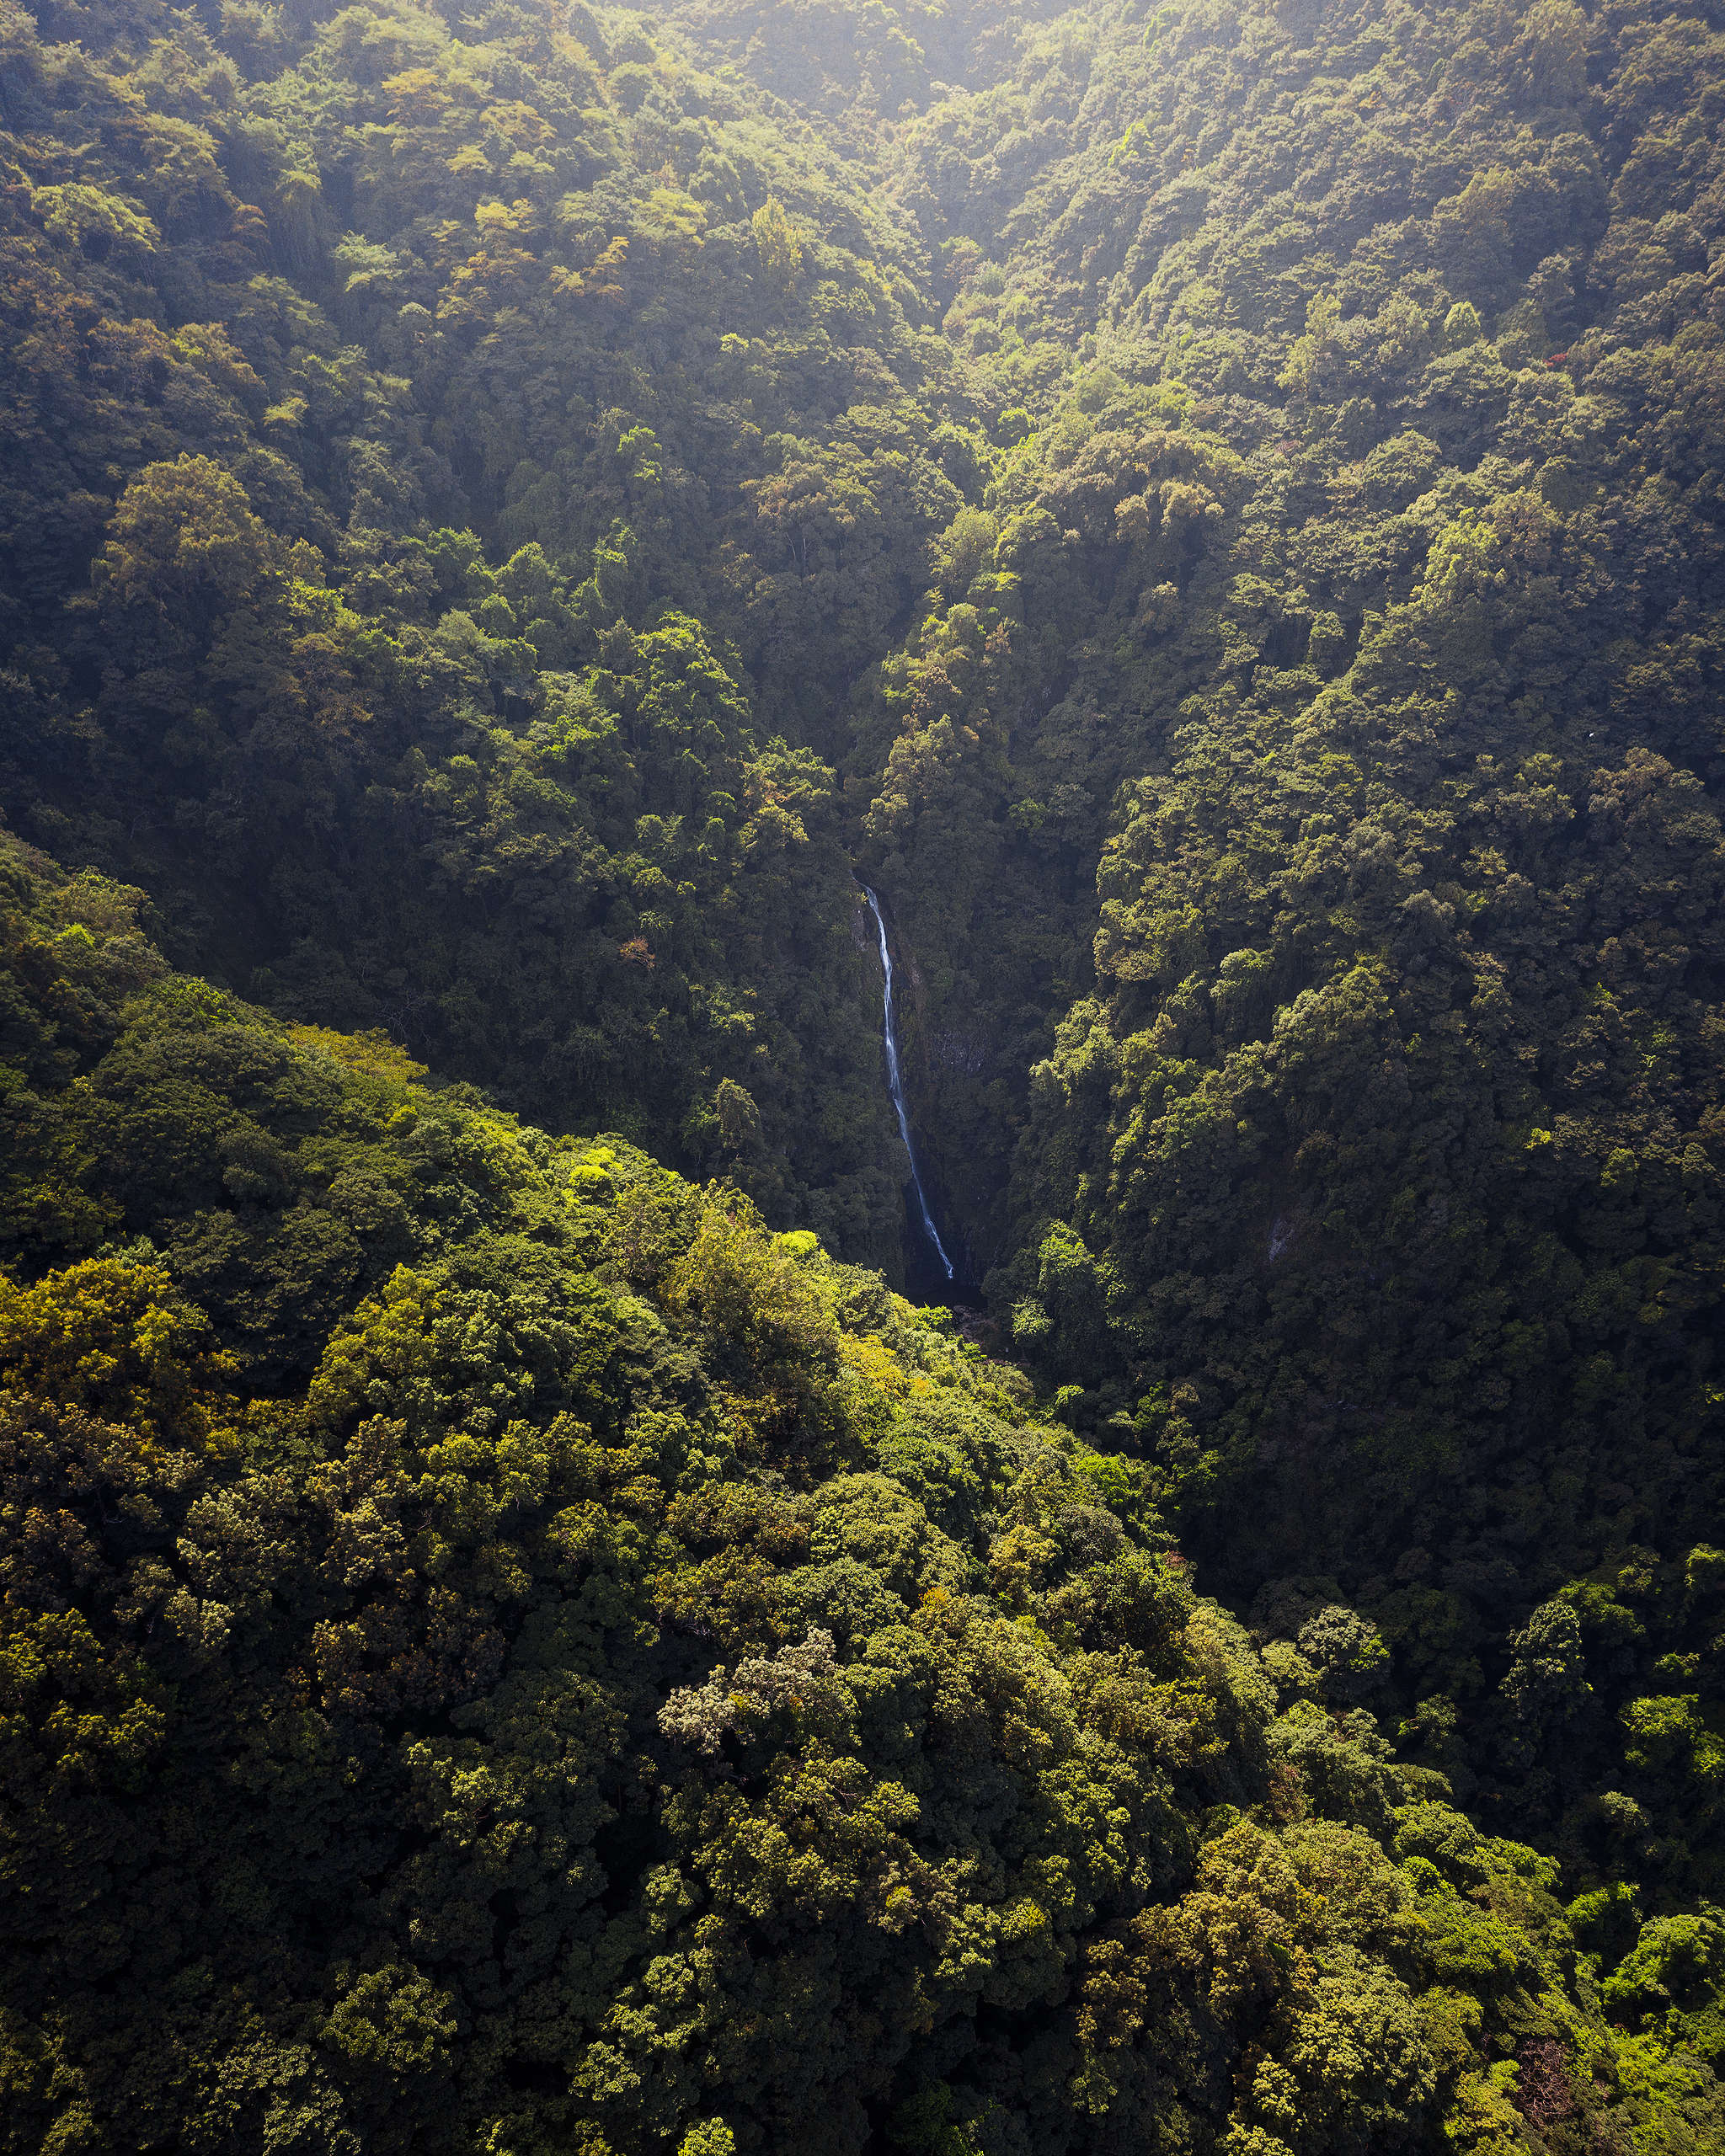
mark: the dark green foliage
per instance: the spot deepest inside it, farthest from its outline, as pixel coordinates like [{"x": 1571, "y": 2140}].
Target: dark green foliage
[
  {"x": 506, "y": 794},
  {"x": 1343, "y": 600},
  {"x": 501, "y": 1650},
  {"x": 1212, "y": 510}
]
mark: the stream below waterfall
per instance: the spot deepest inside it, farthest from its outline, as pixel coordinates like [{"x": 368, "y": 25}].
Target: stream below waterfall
[{"x": 889, "y": 1026}]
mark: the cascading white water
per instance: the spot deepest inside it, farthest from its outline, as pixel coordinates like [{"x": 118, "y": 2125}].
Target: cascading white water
[{"x": 895, "y": 1087}]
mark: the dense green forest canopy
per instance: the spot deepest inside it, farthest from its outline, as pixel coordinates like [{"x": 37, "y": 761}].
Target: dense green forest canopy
[
  {"x": 515, "y": 1638},
  {"x": 502, "y": 1651}
]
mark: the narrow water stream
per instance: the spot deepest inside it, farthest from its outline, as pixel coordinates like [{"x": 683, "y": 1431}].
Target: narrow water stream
[{"x": 895, "y": 1087}]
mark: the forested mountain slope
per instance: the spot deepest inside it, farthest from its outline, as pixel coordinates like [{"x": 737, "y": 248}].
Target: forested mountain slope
[
  {"x": 1349, "y": 611},
  {"x": 509, "y": 518},
  {"x": 492, "y": 452},
  {"x": 502, "y": 1652}
]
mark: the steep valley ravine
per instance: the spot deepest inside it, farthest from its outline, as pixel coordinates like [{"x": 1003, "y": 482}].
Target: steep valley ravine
[{"x": 862, "y": 1078}]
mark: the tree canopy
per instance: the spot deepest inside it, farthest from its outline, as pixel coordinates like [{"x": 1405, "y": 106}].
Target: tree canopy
[{"x": 517, "y": 1636}]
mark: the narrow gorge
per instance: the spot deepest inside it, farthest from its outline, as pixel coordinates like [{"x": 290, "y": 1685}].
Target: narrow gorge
[{"x": 920, "y": 1224}]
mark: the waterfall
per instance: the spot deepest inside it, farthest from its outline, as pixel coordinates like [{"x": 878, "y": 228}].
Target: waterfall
[{"x": 895, "y": 1087}]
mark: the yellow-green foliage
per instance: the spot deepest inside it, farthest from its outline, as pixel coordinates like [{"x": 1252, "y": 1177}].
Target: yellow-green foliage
[{"x": 500, "y": 1646}]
